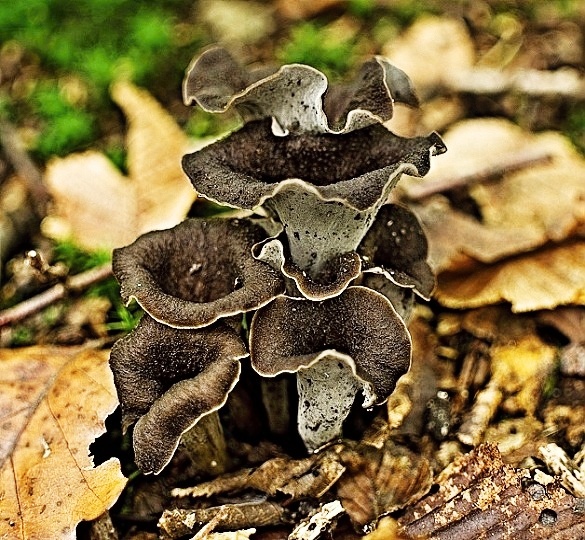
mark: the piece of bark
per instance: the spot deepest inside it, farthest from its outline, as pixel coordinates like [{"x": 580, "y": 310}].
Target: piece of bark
[{"x": 479, "y": 497}]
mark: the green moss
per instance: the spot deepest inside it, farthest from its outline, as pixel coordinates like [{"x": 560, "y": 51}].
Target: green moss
[
  {"x": 21, "y": 336},
  {"x": 311, "y": 43},
  {"x": 575, "y": 126},
  {"x": 78, "y": 259},
  {"x": 98, "y": 41}
]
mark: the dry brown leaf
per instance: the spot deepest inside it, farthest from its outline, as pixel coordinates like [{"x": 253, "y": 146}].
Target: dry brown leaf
[
  {"x": 53, "y": 403},
  {"x": 541, "y": 280},
  {"x": 98, "y": 207},
  {"x": 458, "y": 242},
  {"x": 526, "y": 209},
  {"x": 298, "y": 478},
  {"x": 379, "y": 481}
]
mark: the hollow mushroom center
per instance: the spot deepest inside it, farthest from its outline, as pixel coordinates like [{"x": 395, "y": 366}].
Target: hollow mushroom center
[
  {"x": 320, "y": 159},
  {"x": 195, "y": 269}
]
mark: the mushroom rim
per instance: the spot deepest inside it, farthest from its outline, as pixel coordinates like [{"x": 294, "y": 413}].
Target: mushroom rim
[{"x": 334, "y": 352}]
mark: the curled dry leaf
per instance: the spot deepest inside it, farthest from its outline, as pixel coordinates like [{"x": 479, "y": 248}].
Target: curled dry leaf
[
  {"x": 541, "y": 280},
  {"x": 310, "y": 477},
  {"x": 380, "y": 481},
  {"x": 531, "y": 228},
  {"x": 155, "y": 195},
  {"x": 53, "y": 403}
]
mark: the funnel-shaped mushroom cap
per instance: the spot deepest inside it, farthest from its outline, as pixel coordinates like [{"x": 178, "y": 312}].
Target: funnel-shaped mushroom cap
[
  {"x": 197, "y": 272},
  {"x": 297, "y": 97},
  {"x": 168, "y": 379},
  {"x": 325, "y": 189},
  {"x": 359, "y": 327},
  {"x": 333, "y": 279},
  {"x": 396, "y": 247}
]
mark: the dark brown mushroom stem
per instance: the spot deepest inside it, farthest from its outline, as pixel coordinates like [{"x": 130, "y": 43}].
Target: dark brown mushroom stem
[{"x": 355, "y": 340}]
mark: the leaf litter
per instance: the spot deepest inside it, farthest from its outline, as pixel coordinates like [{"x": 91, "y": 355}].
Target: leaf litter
[
  {"x": 482, "y": 371},
  {"x": 53, "y": 404}
]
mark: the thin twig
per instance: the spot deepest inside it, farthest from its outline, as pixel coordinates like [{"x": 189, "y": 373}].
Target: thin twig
[
  {"x": 74, "y": 284},
  {"x": 508, "y": 164}
]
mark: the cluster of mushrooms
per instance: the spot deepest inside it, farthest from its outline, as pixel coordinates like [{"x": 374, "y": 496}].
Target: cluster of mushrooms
[{"x": 328, "y": 267}]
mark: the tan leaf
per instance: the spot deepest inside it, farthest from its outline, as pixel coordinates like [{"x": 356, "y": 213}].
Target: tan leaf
[
  {"x": 379, "y": 481},
  {"x": 458, "y": 242},
  {"x": 479, "y": 496},
  {"x": 524, "y": 210},
  {"x": 53, "y": 403},
  {"x": 97, "y": 206},
  {"x": 432, "y": 51},
  {"x": 540, "y": 280}
]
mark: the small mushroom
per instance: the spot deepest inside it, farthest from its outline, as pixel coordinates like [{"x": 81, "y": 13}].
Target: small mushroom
[
  {"x": 325, "y": 189},
  {"x": 396, "y": 247},
  {"x": 297, "y": 97},
  {"x": 197, "y": 272},
  {"x": 363, "y": 341},
  {"x": 334, "y": 278},
  {"x": 168, "y": 379}
]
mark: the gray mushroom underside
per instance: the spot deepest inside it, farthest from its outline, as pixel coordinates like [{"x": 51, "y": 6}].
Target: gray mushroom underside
[
  {"x": 296, "y": 96},
  {"x": 167, "y": 379},
  {"x": 359, "y": 324},
  {"x": 197, "y": 272}
]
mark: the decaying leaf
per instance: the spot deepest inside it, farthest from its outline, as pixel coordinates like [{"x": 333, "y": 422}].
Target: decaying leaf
[
  {"x": 480, "y": 497},
  {"x": 527, "y": 248},
  {"x": 301, "y": 478},
  {"x": 540, "y": 280},
  {"x": 179, "y": 522},
  {"x": 99, "y": 207},
  {"x": 379, "y": 481},
  {"x": 53, "y": 403}
]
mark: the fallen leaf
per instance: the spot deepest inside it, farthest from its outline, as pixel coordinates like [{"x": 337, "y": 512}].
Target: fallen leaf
[
  {"x": 380, "y": 481},
  {"x": 459, "y": 243},
  {"x": 53, "y": 403},
  {"x": 541, "y": 280},
  {"x": 522, "y": 211},
  {"x": 433, "y": 50},
  {"x": 298, "y": 478},
  {"x": 97, "y": 206},
  {"x": 237, "y": 21}
]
